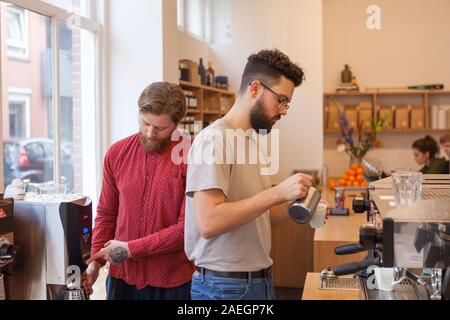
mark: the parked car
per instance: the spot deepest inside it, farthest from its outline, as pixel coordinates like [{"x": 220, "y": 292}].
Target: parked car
[{"x": 33, "y": 159}]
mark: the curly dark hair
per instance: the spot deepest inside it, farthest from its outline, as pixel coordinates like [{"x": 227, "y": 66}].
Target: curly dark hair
[
  {"x": 427, "y": 144},
  {"x": 268, "y": 66}
]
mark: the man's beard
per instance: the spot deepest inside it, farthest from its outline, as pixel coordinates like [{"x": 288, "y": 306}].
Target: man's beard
[
  {"x": 154, "y": 145},
  {"x": 259, "y": 120}
]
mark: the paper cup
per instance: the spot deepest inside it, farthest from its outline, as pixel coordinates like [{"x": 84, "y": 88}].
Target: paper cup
[{"x": 318, "y": 218}]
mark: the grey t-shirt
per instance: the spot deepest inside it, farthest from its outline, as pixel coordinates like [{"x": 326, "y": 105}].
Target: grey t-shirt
[{"x": 246, "y": 248}]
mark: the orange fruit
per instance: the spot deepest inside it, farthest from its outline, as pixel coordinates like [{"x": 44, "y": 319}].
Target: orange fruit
[
  {"x": 351, "y": 172},
  {"x": 354, "y": 166},
  {"x": 360, "y": 178},
  {"x": 342, "y": 183},
  {"x": 345, "y": 177},
  {"x": 349, "y": 183},
  {"x": 332, "y": 184},
  {"x": 363, "y": 184},
  {"x": 360, "y": 171},
  {"x": 356, "y": 184},
  {"x": 352, "y": 178}
]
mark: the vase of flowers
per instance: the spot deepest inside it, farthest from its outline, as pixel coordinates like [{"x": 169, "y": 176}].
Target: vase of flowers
[{"x": 357, "y": 142}]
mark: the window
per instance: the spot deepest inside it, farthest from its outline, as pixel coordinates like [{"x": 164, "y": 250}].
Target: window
[
  {"x": 79, "y": 7},
  {"x": 16, "y": 33},
  {"x": 209, "y": 21},
  {"x": 77, "y": 83},
  {"x": 26, "y": 113},
  {"x": 19, "y": 115},
  {"x": 192, "y": 17},
  {"x": 47, "y": 137}
]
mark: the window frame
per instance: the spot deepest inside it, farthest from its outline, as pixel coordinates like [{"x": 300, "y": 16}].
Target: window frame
[
  {"x": 17, "y": 44},
  {"x": 57, "y": 14}
]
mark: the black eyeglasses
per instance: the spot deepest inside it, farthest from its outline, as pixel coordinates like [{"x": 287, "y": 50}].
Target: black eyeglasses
[{"x": 283, "y": 102}]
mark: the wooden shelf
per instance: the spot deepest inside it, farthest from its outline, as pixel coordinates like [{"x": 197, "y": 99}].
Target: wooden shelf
[
  {"x": 438, "y": 92},
  {"x": 211, "y": 112},
  {"x": 213, "y": 98},
  {"x": 381, "y": 93},
  {"x": 400, "y": 93},
  {"x": 406, "y": 130},
  {"x": 207, "y": 88},
  {"x": 414, "y": 98},
  {"x": 389, "y": 131},
  {"x": 193, "y": 111},
  {"x": 345, "y": 94}
]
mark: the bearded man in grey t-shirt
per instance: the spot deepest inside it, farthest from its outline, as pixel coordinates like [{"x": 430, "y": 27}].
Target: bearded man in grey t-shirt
[{"x": 228, "y": 224}]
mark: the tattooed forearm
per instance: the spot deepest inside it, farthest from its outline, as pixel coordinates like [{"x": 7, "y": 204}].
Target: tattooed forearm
[{"x": 118, "y": 255}]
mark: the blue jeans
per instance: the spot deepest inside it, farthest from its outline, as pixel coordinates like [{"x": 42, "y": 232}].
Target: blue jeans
[
  {"x": 217, "y": 288},
  {"x": 117, "y": 289}
]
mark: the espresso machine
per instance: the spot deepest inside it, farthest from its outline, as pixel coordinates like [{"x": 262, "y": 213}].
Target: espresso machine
[
  {"x": 413, "y": 242},
  {"x": 418, "y": 238},
  {"x": 55, "y": 242},
  {"x": 7, "y": 248}
]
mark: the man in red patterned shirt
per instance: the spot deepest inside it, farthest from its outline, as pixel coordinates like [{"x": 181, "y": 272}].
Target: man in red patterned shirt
[{"x": 139, "y": 227}]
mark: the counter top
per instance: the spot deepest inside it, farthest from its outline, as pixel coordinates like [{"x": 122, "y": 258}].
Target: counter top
[
  {"x": 341, "y": 228},
  {"x": 312, "y": 291},
  {"x": 338, "y": 231}
]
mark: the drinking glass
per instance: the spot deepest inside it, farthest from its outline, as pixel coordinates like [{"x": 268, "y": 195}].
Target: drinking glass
[
  {"x": 46, "y": 191},
  {"x": 407, "y": 187}
]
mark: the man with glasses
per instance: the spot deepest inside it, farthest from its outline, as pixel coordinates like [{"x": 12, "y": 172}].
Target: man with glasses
[
  {"x": 228, "y": 224},
  {"x": 139, "y": 227}
]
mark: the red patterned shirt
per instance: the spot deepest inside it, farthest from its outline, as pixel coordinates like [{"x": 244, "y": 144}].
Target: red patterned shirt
[{"x": 142, "y": 203}]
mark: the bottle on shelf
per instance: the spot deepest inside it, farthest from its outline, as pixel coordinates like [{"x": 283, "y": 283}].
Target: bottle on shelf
[
  {"x": 210, "y": 75},
  {"x": 202, "y": 72},
  {"x": 346, "y": 75}
]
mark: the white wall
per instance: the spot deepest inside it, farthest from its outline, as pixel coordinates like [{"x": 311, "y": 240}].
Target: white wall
[
  {"x": 412, "y": 47},
  {"x": 193, "y": 49},
  {"x": 135, "y": 59},
  {"x": 147, "y": 46},
  {"x": 171, "y": 43},
  {"x": 295, "y": 27}
]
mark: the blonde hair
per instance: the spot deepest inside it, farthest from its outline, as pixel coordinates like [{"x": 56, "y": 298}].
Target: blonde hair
[{"x": 163, "y": 98}]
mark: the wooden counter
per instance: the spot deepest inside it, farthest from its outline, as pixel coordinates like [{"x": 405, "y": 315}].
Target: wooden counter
[
  {"x": 298, "y": 249},
  {"x": 338, "y": 231},
  {"x": 292, "y": 252},
  {"x": 312, "y": 291}
]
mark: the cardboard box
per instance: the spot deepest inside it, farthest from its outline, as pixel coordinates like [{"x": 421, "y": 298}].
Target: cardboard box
[
  {"x": 194, "y": 77},
  {"x": 333, "y": 117},
  {"x": 402, "y": 117},
  {"x": 417, "y": 118},
  {"x": 388, "y": 113},
  {"x": 365, "y": 114},
  {"x": 442, "y": 117},
  {"x": 351, "y": 113}
]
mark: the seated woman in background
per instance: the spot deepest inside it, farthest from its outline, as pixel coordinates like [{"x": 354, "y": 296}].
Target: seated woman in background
[{"x": 425, "y": 151}]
